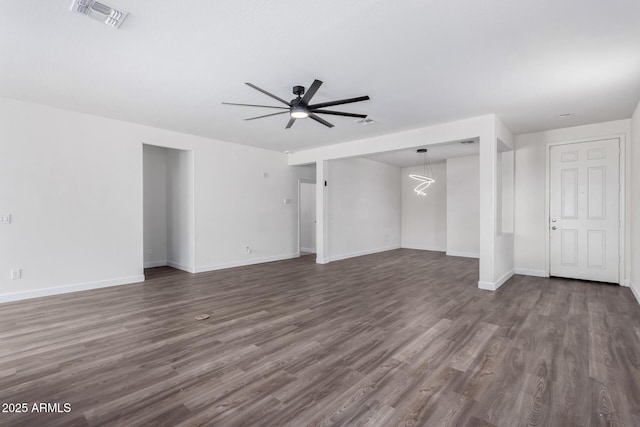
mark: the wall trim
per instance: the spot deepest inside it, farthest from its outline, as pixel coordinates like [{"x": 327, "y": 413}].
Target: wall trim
[
  {"x": 424, "y": 248},
  {"x": 311, "y": 250},
  {"x": 182, "y": 267},
  {"x": 635, "y": 290},
  {"x": 242, "y": 263},
  {"x": 493, "y": 286},
  {"x": 360, "y": 253},
  {"x": 58, "y": 290},
  {"x": 151, "y": 264},
  {"x": 530, "y": 272},
  {"x": 463, "y": 254}
]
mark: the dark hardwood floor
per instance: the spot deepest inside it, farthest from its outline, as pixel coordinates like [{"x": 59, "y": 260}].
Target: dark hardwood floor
[{"x": 397, "y": 338}]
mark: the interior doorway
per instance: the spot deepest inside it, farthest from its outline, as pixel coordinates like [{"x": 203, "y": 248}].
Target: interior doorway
[
  {"x": 584, "y": 210},
  {"x": 168, "y": 208},
  {"x": 306, "y": 217}
]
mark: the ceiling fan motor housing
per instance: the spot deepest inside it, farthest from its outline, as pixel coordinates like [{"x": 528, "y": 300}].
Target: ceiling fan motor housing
[{"x": 298, "y": 90}]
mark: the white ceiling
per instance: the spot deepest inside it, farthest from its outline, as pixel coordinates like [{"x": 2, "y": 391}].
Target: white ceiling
[
  {"x": 172, "y": 63},
  {"x": 436, "y": 153}
]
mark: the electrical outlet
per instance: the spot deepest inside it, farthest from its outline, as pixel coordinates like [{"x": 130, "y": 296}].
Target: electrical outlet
[
  {"x": 5, "y": 219},
  {"x": 16, "y": 274},
  {"x": 247, "y": 249}
]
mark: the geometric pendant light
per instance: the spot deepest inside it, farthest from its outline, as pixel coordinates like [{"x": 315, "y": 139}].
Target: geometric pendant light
[{"x": 425, "y": 180}]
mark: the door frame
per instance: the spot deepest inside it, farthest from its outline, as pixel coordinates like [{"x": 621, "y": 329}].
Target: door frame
[
  {"x": 622, "y": 179},
  {"x": 300, "y": 182},
  {"x": 192, "y": 205}
]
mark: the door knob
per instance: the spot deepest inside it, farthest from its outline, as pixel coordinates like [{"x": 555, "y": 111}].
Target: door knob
[{"x": 554, "y": 228}]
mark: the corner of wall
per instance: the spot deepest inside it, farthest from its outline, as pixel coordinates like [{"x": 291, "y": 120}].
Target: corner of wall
[
  {"x": 635, "y": 290},
  {"x": 494, "y": 286}
]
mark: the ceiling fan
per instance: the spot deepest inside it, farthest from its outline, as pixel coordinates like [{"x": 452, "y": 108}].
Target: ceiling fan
[{"x": 299, "y": 107}]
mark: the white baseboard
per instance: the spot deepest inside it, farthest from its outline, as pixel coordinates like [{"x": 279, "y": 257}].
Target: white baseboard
[
  {"x": 530, "y": 272},
  {"x": 242, "y": 263},
  {"x": 151, "y": 264},
  {"x": 322, "y": 260},
  {"x": 464, "y": 254},
  {"x": 493, "y": 286},
  {"x": 311, "y": 250},
  {"x": 424, "y": 248},
  {"x": 360, "y": 253},
  {"x": 36, "y": 293},
  {"x": 635, "y": 289},
  {"x": 180, "y": 267}
]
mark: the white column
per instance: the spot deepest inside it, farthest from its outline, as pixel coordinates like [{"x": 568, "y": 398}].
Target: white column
[
  {"x": 322, "y": 212},
  {"x": 488, "y": 181},
  {"x": 496, "y": 246}
]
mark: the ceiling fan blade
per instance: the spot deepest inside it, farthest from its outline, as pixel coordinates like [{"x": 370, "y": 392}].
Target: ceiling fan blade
[
  {"x": 267, "y": 115},
  {"x": 320, "y": 120},
  {"x": 312, "y": 91},
  {"x": 291, "y": 122},
  {"x": 340, "y": 113},
  {"x": 339, "y": 102},
  {"x": 255, "y": 105},
  {"x": 267, "y": 93}
]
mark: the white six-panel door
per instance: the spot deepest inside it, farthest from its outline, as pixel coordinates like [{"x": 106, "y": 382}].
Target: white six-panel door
[{"x": 584, "y": 210}]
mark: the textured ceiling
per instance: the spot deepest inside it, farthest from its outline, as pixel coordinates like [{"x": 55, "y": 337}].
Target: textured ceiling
[{"x": 172, "y": 63}]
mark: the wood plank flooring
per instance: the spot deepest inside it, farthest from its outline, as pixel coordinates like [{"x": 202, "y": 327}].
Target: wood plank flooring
[{"x": 397, "y": 338}]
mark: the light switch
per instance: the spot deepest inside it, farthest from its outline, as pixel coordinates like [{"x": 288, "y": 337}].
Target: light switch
[
  {"x": 287, "y": 201},
  {"x": 5, "y": 219}
]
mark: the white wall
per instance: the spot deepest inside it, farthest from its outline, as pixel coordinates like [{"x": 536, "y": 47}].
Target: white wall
[
  {"x": 180, "y": 214},
  {"x": 73, "y": 184},
  {"x": 364, "y": 207},
  {"x": 236, "y": 206},
  {"x": 74, "y": 188},
  {"x": 424, "y": 218},
  {"x": 530, "y": 215},
  {"x": 635, "y": 202},
  {"x": 155, "y": 205},
  {"x": 463, "y": 206},
  {"x": 307, "y": 217}
]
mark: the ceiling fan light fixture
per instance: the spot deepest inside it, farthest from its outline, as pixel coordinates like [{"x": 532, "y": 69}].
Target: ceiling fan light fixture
[{"x": 299, "y": 112}]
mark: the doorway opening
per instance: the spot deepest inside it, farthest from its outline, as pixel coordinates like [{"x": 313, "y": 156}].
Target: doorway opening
[
  {"x": 306, "y": 217},
  {"x": 168, "y": 208}
]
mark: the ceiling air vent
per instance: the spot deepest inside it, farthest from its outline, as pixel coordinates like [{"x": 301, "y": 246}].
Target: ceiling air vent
[
  {"x": 100, "y": 12},
  {"x": 365, "y": 121}
]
